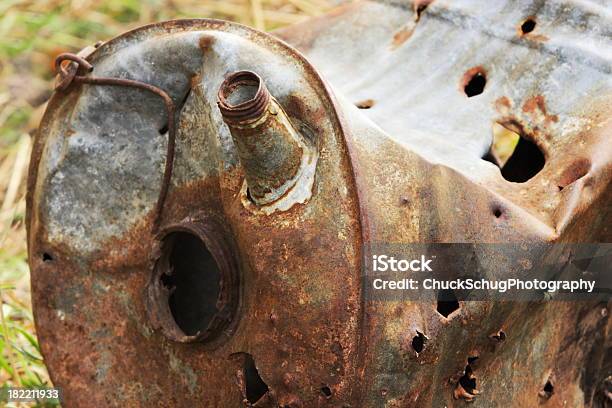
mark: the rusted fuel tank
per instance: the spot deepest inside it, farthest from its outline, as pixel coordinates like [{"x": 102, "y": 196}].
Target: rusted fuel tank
[{"x": 202, "y": 197}]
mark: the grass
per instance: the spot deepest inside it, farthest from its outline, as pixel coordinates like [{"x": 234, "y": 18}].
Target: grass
[{"x": 32, "y": 33}]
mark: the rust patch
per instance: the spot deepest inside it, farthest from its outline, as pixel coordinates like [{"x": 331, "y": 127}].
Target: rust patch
[
  {"x": 206, "y": 42},
  {"x": 128, "y": 250},
  {"x": 503, "y": 105},
  {"x": 536, "y": 108},
  {"x": 402, "y": 36}
]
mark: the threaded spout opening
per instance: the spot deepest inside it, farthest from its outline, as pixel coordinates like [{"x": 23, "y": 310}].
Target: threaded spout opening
[{"x": 243, "y": 97}]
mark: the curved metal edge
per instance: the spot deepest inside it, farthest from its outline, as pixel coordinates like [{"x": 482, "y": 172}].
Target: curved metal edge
[{"x": 326, "y": 94}]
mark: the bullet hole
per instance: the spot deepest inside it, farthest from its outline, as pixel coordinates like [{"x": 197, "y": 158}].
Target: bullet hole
[
  {"x": 365, "y": 104},
  {"x": 326, "y": 391},
  {"x": 548, "y": 387},
  {"x": 528, "y": 25},
  {"x": 418, "y": 342},
  {"x": 466, "y": 386},
  {"x": 255, "y": 387},
  {"x": 194, "y": 283},
  {"x": 499, "y": 336},
  {"x": 164, "y": 129},
  {"x": 548, "y": 390},
  {"x": 468, "y": 380},
  {"x": 475, "y": 80},
  {"x": 46, "y": 257},
  {"x": 518, "y": 157},
  {"x": 447, "y": 302}
]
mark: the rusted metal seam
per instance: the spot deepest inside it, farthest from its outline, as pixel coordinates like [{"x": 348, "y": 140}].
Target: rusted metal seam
[
  {"x": 364, "y": 230},
  {"x": 68, "y": 75}
]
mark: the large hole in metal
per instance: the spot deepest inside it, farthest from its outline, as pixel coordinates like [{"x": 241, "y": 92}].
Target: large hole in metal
[
  {"x": 194, "y": 282},
  {"x": 255, "y": 387},
  {"x": 516, "y": 155},
  {"x": 447, "y": 302},
  {"x": 525, "y": 162},
  {"x": 194, "y": 291}
]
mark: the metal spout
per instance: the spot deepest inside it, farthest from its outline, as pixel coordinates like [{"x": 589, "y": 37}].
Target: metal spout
[{"x": 269, "y": 148}]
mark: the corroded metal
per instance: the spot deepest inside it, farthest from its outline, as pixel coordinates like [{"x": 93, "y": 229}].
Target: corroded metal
[
  {"x": 276, "y": 159},
  {"x": 403, "y": 165}
]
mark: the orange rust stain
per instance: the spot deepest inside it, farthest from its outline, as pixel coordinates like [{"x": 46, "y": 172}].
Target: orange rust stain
[
  {"x": 503, "y": 105},
  {"x": 536, "y": 37},
  {"x": 401, "y": 36},
  {"x": 206, "y": 42},
  {"x": 503, "y": 101},
  {"x": 536, "y": 106}
]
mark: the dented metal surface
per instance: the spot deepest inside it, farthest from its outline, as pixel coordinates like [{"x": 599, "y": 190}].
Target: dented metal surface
[{"x": 296, "y": 331}]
